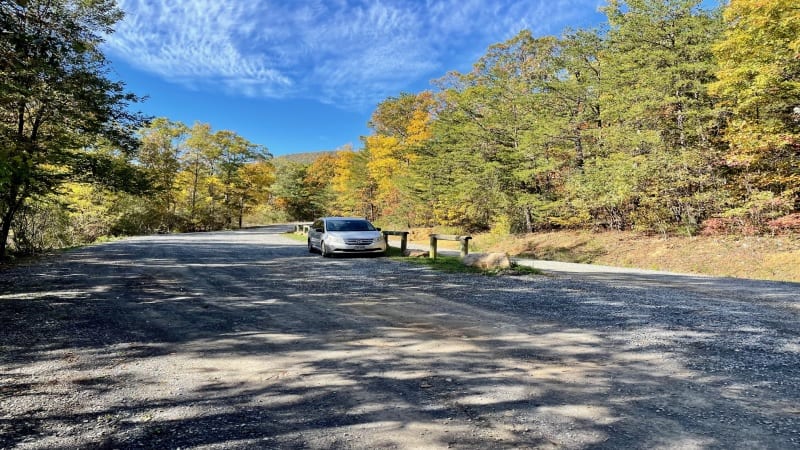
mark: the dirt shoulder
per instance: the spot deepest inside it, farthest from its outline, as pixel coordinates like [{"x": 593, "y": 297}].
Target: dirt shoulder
[
  {"x": 752, "y": 257},
  {"x": 245, "y": 340}
]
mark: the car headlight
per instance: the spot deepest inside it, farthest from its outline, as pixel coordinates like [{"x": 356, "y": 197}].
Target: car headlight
[{"x": 333, "y": 239}]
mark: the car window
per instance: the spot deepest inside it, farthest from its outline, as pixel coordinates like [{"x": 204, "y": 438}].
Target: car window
[{"x": 349, "y": 225}]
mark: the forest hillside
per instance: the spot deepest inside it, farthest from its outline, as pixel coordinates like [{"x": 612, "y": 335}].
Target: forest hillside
[{"x": 669, "y": 120}]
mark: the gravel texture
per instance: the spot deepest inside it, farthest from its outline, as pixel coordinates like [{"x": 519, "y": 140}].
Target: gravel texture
[{"x": 245, "y": 340}]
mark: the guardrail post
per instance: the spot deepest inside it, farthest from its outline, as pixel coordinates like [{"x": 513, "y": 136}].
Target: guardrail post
[
  {"x": 302, "y": 228},
  {"x": 465, "y": 245},
  {"x": 403, "y": 238},
  {"x": 450, "y": 237}
]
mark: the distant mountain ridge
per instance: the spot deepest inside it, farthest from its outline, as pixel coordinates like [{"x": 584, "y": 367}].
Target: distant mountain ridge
[{"x": 305, "y": 157}]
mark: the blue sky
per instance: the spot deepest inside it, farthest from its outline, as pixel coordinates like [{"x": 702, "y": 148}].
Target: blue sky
[{"x": 300, "y": 76}]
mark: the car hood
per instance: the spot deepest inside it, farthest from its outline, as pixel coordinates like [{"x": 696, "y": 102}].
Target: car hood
[{"x": 355, "y": 234}]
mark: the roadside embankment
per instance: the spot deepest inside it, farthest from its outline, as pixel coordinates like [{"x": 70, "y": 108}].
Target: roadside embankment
[{"x": 755, "y": 257}]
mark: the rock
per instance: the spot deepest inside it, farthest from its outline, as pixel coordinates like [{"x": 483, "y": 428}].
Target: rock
[
  {"x": 488, "y": 260},
  {"x": 416, "y": 253}
]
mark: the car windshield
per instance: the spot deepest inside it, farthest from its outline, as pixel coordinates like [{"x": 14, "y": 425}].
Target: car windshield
[{"x": 350, "y": 225}]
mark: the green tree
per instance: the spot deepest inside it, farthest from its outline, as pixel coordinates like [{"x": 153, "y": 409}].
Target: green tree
[
  {"x": 496, "y": 126},
  {"x": 236, "y": 152},
  {"x": 574, "y": 103},
  {"x": 57, "y": 102},
  {"x": 160, "y": 156},
  {"x": 294, "y": 195},
  {"x": 655, "y": 103},
  {"x": 199, "y": 187}
]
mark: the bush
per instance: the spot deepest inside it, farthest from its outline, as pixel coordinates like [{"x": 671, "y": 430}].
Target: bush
[
  {"x": 40, "y": 226},
  {"x": 786, "y": 224}
]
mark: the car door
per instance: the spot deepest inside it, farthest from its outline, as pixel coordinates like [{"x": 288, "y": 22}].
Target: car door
[{"x": 315, "y": 233}]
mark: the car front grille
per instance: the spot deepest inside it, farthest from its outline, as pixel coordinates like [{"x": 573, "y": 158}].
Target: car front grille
[{"x": 358, "y": 241}]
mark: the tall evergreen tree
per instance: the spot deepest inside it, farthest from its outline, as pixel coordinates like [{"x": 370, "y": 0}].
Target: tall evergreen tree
[
  {"x": 657, "y": 114},
  {"x": 495, "y": 123}
]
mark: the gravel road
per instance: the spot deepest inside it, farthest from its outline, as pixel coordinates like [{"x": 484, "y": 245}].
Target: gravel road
[{"x": 245, "y": 340}]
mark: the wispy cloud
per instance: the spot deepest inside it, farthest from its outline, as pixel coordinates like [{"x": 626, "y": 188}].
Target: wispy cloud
[{"x": 346, "y": 52}]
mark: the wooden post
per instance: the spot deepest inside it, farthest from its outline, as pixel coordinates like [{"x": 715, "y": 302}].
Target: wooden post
[
  {"x": 450, "y": 237},
  {"x": 302, "y": 228},
  {"x": 465, "y": 245},
  {"x": 403, "y": 239}
]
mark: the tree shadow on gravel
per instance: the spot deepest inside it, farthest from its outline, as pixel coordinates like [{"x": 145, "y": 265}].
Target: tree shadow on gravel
[{"x": 217, "y": 343}]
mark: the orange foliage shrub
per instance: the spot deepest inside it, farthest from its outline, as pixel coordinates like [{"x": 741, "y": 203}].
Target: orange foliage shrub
[
  {"x": 719, "y": 225},
  {"x": 785, "y": 224},
  {"x": 727, "y": 225}
]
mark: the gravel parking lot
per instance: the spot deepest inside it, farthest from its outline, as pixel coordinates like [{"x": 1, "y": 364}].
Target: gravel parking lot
[{"x": 245, "y": 340}]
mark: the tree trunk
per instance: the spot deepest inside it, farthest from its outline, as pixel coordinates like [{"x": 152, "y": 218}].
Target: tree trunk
[
  {"x": 4, "y": 232},
  {"x": 14, "y": 201},
  {"x": 241, "y": 212},
  {"x": 579, "y": 156},
  {"x": 195, "y": 182},
  {"x": 528, "y": 221}
]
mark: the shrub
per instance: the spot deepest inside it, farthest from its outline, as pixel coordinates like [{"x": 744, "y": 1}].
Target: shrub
[{"x": 786, "y": 224}]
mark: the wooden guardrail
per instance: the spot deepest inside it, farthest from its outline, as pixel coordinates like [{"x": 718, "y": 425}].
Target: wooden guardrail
[
  {"x": 302, "y": 228},
  {"x": 403, "y": 239},
  {"x": 449, "y": 237}
]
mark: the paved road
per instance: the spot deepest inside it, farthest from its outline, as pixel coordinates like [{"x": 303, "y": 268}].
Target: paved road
[{"x": 244, "y": 340}]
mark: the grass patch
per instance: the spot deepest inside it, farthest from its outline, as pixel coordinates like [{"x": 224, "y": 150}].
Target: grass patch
[
  {"x": 393, "y": 252},
  {"x": 296, "y": 237},
  {"x": 516, "y": 269},
  {"x": 453, "y": 264},
  {"x": 449, "y": 264}
]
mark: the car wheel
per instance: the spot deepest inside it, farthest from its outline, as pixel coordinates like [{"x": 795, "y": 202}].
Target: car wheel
[
  {"x": 323, "y": 248},
  {"x": 310, "y": 247}
]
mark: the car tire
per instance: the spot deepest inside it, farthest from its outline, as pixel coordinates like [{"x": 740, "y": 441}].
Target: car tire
[
  {"x": 323, "y": 249},
  {"x": 311, "y": 247}
]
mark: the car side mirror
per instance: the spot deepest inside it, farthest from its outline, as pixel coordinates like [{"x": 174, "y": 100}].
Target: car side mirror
[
  {"x": 378, "y": 229},
  {"x": 318, "y": 230}
]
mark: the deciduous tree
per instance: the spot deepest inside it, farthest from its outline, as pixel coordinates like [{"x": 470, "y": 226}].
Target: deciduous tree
[
  {"x": 57, "y": 101},
  {"x": 759, "y": 87}
]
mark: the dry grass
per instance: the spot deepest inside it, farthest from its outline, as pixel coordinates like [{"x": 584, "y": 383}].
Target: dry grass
[{"x": 755, "y": 257}]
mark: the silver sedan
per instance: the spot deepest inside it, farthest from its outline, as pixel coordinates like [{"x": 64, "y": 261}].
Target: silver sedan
[{"x": 345, "y": 235}]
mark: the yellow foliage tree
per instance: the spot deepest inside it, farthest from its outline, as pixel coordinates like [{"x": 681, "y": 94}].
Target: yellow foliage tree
[
  {"x": 384, "y": 162},
  {"x": 759, "y": 84},
  {"x": 342, "y": 171},
  {"x": 352, "y": 188},
  {"x": 401, "y": 126},
  {"x": 254, "y": 186}
]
